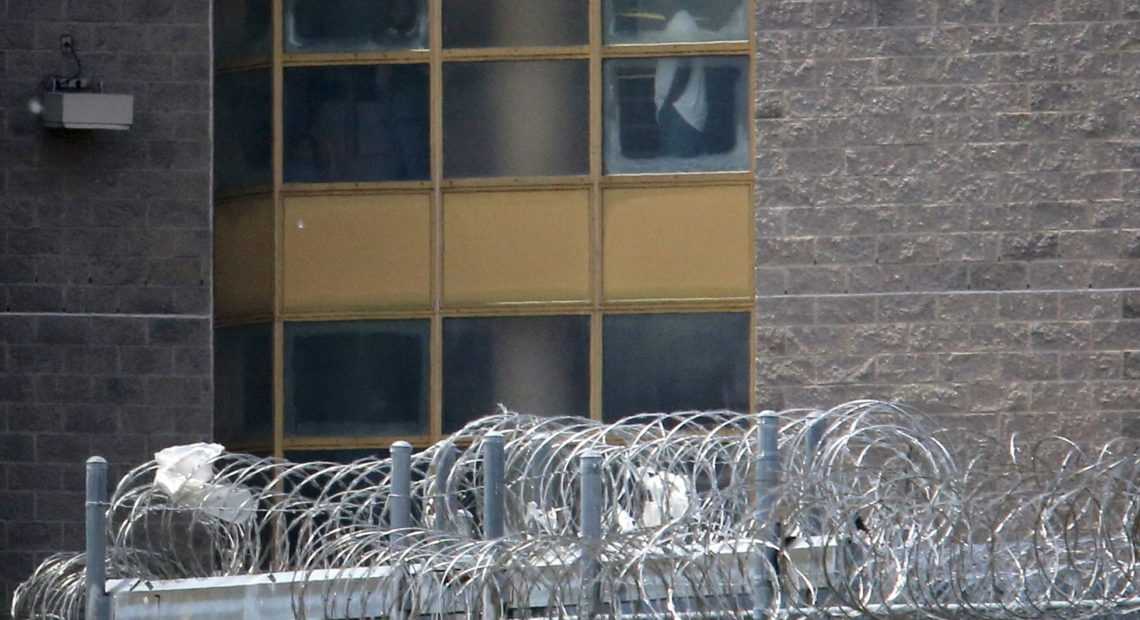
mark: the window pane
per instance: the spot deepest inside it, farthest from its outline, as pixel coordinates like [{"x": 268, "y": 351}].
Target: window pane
[
  {"x": 674, "y": 362},
  {"x": 356, "y": 123},
  {"x": 243, "y": 383},
  {"x": 515, "y": 23},
  {"x": 355, "y": 25},
  {"x": 334, "y": 456},
  {"x": 678, "y": 114},
  {"x": 515, "y": 118},
  {"x": 675, "y": 21},
  {"x": 677, "y": 243},
  {"x": 356, "y": 378},
  {"x": 241, "y": 29},
  {"x": 516, "y": 246},
  {"x": 243, "y": 257},
  {"x": 536, "y": 365},
  {"x": 357, "y": 253},
  {"x": 243, "y": 104}
]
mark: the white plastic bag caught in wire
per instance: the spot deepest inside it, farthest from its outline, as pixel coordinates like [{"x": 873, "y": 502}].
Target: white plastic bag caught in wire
[{"x": 186, "y": 474}]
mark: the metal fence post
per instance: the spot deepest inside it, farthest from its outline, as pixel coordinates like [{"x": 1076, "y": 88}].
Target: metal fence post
[
  {"x": 400, "y": 494},
  {"x": 590, "y": 524},
  {"x": 768, "y": 477},
  {"x": 400, "y": 504},
  {"x": 537, "y": 470},
  {"x": 492, "y": 511},
  {"x": 493, "y": 485},
  {"x": 98, "y": 603},
  {"x": 813, "y": 524},
  {"x": 441, "y": 502},
  {"x": 814, "y": 521}
]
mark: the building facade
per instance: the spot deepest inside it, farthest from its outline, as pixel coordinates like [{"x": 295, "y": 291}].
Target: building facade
[
  {"x": 105, "y": 260},
  {"x": 337, "y": 224},
  {"x": 427, "y": 209},
  {"x": 947, "y": 209}
]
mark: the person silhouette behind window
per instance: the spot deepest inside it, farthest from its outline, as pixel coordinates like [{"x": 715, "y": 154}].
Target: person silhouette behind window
[
  {"x": 405, "y": 29},
  {"x": 680, "y": 90}
]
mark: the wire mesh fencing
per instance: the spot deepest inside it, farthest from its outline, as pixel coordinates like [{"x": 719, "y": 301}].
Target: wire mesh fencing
[{"x": 864, "y": 510}]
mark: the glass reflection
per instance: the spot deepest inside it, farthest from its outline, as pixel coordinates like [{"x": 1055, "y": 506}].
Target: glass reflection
[
  {"x": 675, "y": 21},
  {"x": 527, "y": 118},
  {"x": 355, "y": 25},
  {"x": 343, "y": 457},
  {"x": 676, "y": 114},
  {"x": 243, "y": 112},
  {"x": 241, "y": 29},
  {"x": 537, "y": 365},
  {"x": 243, "y": 383},
  {"x": 674, "y": 362},
  {"x": 356, "y": 123},
  {"x": 356, "y": 378},
  {"x": 505, "y": 23}
]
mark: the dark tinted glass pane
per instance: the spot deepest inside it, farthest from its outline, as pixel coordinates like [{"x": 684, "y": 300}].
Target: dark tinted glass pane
[
  {"x": 243, "y": 383},
  {"x": 334, "y": 456},
  {"x": 515, "y": 118},
  {"x": 356, "y": 123},
  {"x": 674, "y": 362},
  {"x": 677, "y": 114},
  {"x": 356, "y": 378},
  {"x": 241, "y": 29},
  {"x": 514, "y": 23},
  {"x": 536, "y": 365},
  {"x": 675, "y": 21},
  {"x": 243, "y": 104},
  {"x": 355, "y": 25}
]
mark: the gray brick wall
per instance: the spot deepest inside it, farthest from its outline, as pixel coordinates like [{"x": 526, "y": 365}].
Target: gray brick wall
[
  {"x": 948, "y": 208},
  {"x": 105, "y": 246}
]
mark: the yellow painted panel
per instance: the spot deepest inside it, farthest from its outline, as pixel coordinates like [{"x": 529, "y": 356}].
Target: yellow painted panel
[
  {"x": 357, "y": 252},
  {"x": 516, "y": 247},
  {"x": 677, "y": 243},
  {"x": 243, "y": 257}
]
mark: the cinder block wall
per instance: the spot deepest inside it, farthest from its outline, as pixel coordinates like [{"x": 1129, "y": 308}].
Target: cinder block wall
[
  {"x": 949, "y": 210},
  {"x": 105, "y": 248}
]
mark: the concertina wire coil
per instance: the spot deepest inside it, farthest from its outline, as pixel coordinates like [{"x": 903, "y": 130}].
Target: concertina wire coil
[{"x": 887, "y": 515}]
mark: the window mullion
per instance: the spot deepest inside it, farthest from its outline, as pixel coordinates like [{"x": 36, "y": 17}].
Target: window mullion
[{"x": 435, "y": 381}]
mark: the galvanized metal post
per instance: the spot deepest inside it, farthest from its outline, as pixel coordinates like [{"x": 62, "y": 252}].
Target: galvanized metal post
[
  {"x": 400, "y": 506},
  {"x": 441, "y": 502},
  {"x": 813, "y": 524},
  {"x": 536, "y": 475},
  {"x": 814, "y": 521},
  {"x": 493, "y": 485},
  {"x": 492, "y": 510},
  {"x": 98, "y": 603},
  {"x": 590, "y": 524},
  {"x": 768, "y": 477},
  {"x": 400, "y": 494}
]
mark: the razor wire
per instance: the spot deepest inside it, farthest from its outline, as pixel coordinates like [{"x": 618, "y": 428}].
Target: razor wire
[{"x": 879, "y": 513}]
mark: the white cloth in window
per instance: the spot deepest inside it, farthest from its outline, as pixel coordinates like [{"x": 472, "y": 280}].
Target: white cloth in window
[{"x": 692, "y": 105}]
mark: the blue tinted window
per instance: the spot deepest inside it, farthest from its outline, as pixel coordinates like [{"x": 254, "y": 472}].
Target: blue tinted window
[
  {"x": 356, "y": 378},
  {"x": 537, "y": 365},
  {"x": 356, "y": 123},
  {"x": 675, "y": 21},
  {"x": 241, "y": 29},
  {"x": 515, "y": 23},
  {"x": 243, "y": 112},
  {"x": 528, "y": 118},
  {"x": 334, "y": 456},
  {"x": 313, "y": 26},
  {"x": 243, "y": 383},
  {"x": 674, "y": 362},
  {"x": 676, "y": 114}
]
